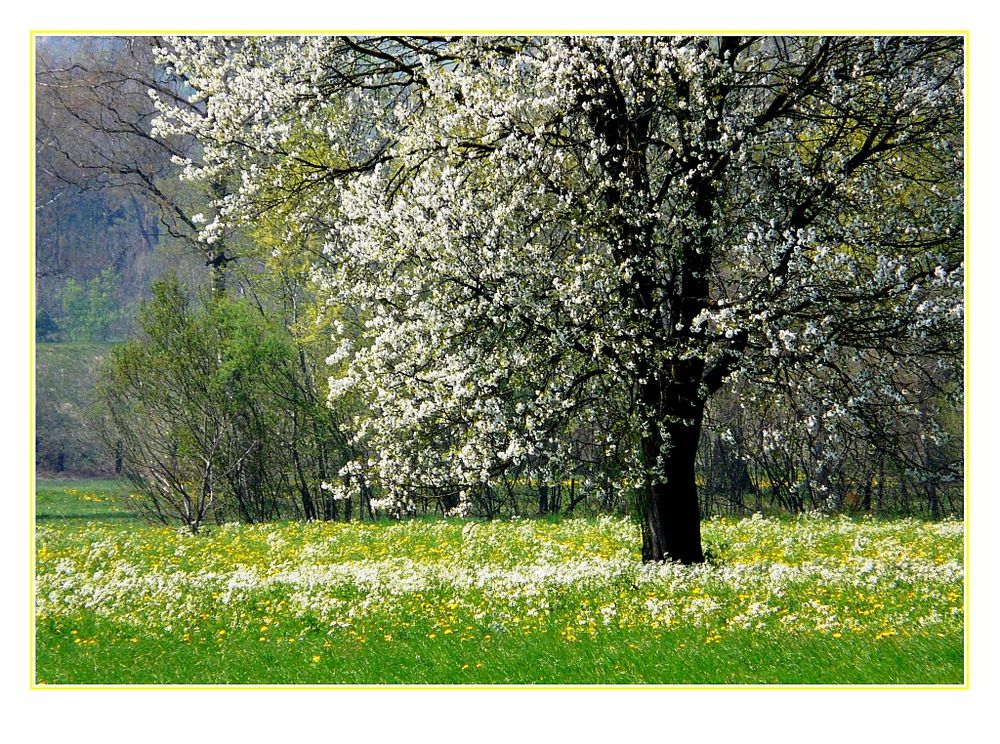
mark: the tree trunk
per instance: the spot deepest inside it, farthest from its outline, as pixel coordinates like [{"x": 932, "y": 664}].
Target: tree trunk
[
  {"x": 671, "y": 517},
  {"x": 543, "y": 499},
  {"x": 308, "y": 507}
]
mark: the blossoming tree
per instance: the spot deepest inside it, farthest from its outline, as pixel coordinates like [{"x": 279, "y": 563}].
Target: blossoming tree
[{"x": 531, "y": 242}]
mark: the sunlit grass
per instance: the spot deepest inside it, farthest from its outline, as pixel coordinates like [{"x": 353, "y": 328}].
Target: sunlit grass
[
  {"x": 811, "y": 600},
  {"x": 81, "y": 501}
]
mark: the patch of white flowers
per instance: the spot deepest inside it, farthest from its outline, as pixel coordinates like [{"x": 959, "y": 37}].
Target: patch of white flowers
[{"x": 813, "y": 575}]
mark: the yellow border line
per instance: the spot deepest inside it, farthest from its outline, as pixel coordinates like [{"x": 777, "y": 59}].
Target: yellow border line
[
  {"x": 491, "y": 32},
  {"x": 31, "y": 358}
]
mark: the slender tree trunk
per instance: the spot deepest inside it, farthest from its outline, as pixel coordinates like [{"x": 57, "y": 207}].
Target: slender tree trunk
[
  {"x": 330, "y": 503},
  {"x": 933, "y": 500},
  {"x": 308, "y": 506},
  {"x": 543, "y": 499},
  {"x": 880, "y": 492}
]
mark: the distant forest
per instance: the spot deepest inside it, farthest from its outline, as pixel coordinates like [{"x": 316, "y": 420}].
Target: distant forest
[
  {"x": 104, "y": 231},
  {"x": 100, "y": 235}
]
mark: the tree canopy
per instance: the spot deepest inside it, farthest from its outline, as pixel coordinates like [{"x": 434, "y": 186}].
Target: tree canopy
[{"x": 536, "y": 249}]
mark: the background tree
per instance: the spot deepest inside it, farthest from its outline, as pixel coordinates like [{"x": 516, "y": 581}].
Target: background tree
[
  {"x": 209, "y": 419},
  {"x": 88, "y": 310}
]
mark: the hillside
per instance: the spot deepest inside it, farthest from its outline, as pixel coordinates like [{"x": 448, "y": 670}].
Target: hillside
[{"x": 66, "y": 439}]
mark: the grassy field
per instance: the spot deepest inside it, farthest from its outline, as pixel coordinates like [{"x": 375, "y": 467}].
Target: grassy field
[
  {"x": 80, "y": 501},
  {"x": 815, "y": 600}
]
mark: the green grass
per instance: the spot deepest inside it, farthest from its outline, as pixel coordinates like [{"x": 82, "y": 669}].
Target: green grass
[
  {"x": 81, "y": 501},
  {"x": 793, "y": 601},
  {"x": 308, "y": 656}
]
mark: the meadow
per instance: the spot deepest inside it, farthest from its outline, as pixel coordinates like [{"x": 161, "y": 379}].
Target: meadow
[{"x": 811, "y": 600}]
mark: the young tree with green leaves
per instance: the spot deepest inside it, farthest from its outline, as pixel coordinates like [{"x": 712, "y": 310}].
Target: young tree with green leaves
[
  {"x": 207, "y": 417},
  {"x": 89, "y": 309}
]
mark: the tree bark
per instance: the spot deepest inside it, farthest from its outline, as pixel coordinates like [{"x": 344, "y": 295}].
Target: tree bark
[
  {"x": 543, "y": 499},
  {"x": 670, "y": 512},
  {"x": 671, "y": 519}
]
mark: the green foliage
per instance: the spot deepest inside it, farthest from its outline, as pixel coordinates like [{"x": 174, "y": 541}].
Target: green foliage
[
  {"x": 210, "y": 415},
  {"x": 89, "y": 309},
  {"x": 46, "y": 328},
  {"x": 66, "y": 437}
]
